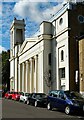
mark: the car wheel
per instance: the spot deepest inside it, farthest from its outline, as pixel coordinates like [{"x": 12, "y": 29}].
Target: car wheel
[
  {"x": 36, "y": 104},
  {"x": 49, "y": 107},
  {"x": 67, "y": 110},
  {"x": 24, "y": 101},
  {"x": 28, "y": 102}
]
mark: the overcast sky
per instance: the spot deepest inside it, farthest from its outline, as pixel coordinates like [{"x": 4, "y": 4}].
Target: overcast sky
[{"x": 33, "y": 12}]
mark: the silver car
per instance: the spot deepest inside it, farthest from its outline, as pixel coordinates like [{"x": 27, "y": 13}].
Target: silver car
[{"x": 24, "y": 97}]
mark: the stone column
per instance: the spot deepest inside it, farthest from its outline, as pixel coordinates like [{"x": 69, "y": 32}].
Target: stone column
[
  {"x": 19, "y": 77},
  {"x": 36, "y": 75},
  {"x": 23, "y": 70},
  {"x": 27, "y": 75},
  {"x": 31, "y": 76},
  {"x": 16, "y": 75},
  {"x": 33, "y": 67}
]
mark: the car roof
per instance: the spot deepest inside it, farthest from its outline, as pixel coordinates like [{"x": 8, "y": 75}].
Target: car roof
[
  {"x": 55, "y": 91},
  {"x": 39, "y": 93}
]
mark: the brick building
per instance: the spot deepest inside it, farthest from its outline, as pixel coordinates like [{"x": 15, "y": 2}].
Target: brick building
[{"x": 81, "y": 63}]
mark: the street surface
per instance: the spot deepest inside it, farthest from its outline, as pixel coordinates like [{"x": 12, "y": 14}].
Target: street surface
[{"x": 15, "y": 109}]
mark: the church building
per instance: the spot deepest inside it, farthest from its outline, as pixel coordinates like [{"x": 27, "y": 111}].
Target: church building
[{"x": 50, "y": 59}]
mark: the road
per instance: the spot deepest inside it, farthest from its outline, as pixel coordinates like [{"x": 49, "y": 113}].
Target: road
[{"x": 15, "y": 109}]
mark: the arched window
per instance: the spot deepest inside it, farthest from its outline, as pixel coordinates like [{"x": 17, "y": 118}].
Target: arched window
[
  {"x": 60, "y": 21},
  {"x": 62, "y": 55}
]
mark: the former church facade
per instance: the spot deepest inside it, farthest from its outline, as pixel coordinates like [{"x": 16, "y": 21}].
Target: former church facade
[{"x": 50, "y": 59}]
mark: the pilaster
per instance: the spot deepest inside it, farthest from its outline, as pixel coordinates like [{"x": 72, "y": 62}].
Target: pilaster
[
  {"x": 23, "y": 70},
  {"x": 36, "y": 74}
]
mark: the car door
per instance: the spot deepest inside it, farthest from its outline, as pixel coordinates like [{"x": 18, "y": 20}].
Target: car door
[
  {"x": 61, "y": 100},
  {"x": 53, "y": 98},
  {"x": 21, "y": 97},
  {"x": 33, "y": 99}
]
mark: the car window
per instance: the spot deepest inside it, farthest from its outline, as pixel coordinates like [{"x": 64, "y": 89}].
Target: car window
[
  {"x": 54, "y": 93},
  {"x": 38, "y": 96},
  {"x": 33, "y": 96},
  {"x": 26, "y": 94},
  {"x": 73, "y": 95},
  {"x": 61, "y": 95},
  {"x": 41, "y": 95},
  {"x": 20, "y": 93},
  {"x": 76, "y": 95},
  {"x": 29, "y": 96}
]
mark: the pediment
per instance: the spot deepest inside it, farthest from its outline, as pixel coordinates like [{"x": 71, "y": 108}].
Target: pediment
[{"x": 27, "y": 44}]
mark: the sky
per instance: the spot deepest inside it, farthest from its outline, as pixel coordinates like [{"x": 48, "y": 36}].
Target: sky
[{"x": 33, "y": 12}]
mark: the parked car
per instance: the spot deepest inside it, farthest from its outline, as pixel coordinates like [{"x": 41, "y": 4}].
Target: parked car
[
  {"x": 24, "y": 97},
  {"x": 16, "y": 95},
  {"x": 37, "y": 99},
  {"x": 0, "y": 94},
  {"x": 3, "y": 93},
  {"x": 66, "y": 101},
  {"x": 8, "y": 94}
]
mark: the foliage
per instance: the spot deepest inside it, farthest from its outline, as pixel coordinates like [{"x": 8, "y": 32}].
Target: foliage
[
  {"x": 5, "y": 68},
  {"x": 0, "y": 69},
  {"x": 47, "y": 78}
]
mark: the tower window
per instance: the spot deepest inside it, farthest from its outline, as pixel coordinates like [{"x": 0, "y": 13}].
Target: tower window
[
  {"x": 62, "y": 72},
  {"x": 62, "y": 55},
  {"x": 60, "y": 21}
]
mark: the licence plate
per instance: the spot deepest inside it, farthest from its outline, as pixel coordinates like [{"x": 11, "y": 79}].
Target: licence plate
[{"x": 83, "y": 107}]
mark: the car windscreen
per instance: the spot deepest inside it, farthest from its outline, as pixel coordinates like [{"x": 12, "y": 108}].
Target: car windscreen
[
  {"x": 26, "y": 94},
  {"x": 20, "y": 93},
  {"x": 15, "y": 92},
  {"x": 73, "y": 95},
  {"x": 40, "y": 95}
]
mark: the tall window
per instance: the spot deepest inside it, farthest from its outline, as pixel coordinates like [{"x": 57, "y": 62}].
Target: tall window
[
  {"x": 49, "y": 58},
  {"x": 63, "y": 73},
  {"x": 60, "y": 21},
  {"x": 62, "y": 55}
]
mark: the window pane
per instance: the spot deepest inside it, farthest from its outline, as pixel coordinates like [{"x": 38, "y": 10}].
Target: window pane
[
  {"x": 49, "y": 58},
  {"x": 62, "y": 55}
]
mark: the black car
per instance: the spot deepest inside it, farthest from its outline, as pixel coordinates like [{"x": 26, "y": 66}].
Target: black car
[{"x": 37, "y": 99}]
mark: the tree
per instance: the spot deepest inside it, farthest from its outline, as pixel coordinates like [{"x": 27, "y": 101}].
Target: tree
[
  {"x": 0, "y": 71},
  {"x": 6, "y": 68},
  {"x": 47, "y": 78}
]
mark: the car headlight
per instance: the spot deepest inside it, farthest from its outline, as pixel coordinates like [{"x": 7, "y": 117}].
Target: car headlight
[{"x": 75, "y": 103}]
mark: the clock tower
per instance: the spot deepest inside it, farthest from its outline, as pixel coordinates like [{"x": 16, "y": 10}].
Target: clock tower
[{"x": 17, "y": 34}]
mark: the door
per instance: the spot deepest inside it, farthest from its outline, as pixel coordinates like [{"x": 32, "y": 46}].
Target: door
[{"x": 61, "y": 100}]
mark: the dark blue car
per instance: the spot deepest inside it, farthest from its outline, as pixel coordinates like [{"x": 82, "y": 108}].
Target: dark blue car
[{"x": 65, "y": 100}]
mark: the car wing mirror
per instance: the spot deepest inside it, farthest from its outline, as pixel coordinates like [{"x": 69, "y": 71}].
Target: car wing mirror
[{"x": 63, "y": 97}]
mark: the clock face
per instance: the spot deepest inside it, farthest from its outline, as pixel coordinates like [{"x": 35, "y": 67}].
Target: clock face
[{"x": 81, "y": 19}]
